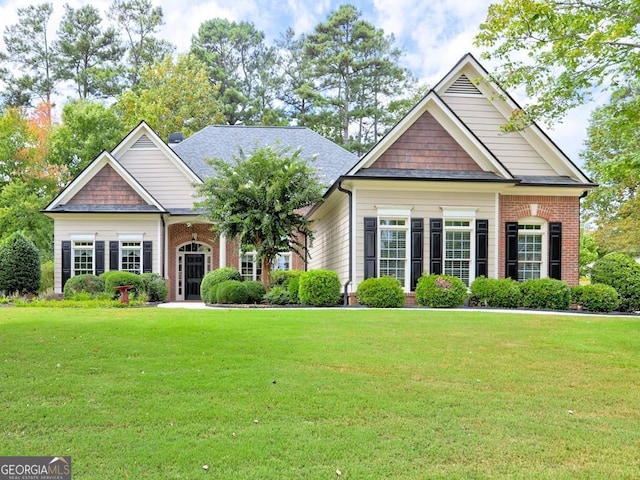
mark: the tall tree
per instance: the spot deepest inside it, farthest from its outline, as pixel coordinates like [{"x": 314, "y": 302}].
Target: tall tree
[
  {"x": 258, "y": 197},
  {"x": 87, "y": 128},
  {"x": 560, "y": 51},
  {"x": 89, "y": 54},
  {"x": 242, "y": 65},
  {"x": 172, "y": 97},
  {"x": 139, "y": 20},
  {"x": 612, "y": 157},
  {"x": 29, "y": 53},
  {"x": 356, "y": 70}
]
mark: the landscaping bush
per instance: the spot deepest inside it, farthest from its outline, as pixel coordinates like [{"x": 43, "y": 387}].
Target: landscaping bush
[
  {"x": 19, "y": 265},
  {"x": 155, "y": 287},
  {"x": 116, "y": 278},
  {"x": 211, "y": 280},
  {"x": 383, "y": 292},
  {"x": 289, "y": 280},
  {"x": 440, "y": 291},
  {"x": 621, "y": 272},
  {"x": 320, "y": 288},
  {"x": 87, "y": 284},
  {"x": 255, "y": 291},
  {"x": 598, "y": 297},
  {"x": 277, "y": 296},
  {"x": 546, "y": 294},
  {"x": 46, "y": 276},
  {"x": 495, "y": 293},
  {"x": 232, "y": 291}
]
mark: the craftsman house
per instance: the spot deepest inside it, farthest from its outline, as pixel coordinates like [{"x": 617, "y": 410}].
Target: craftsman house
[{"x": 445, "y": 191}]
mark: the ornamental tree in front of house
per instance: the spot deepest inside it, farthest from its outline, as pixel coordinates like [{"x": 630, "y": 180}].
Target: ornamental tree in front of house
[{"x": 259, "y": 198}]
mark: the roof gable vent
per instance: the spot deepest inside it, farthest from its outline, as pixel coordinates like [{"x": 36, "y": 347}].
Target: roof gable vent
[
  {"x": 463, "y": 86},
  {"x": 144, "y": 142}
]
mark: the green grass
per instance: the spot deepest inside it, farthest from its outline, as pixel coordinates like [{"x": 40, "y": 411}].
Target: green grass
[{"x": 274, "y": 394}]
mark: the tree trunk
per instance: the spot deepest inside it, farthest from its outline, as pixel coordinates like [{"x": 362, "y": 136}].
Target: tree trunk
[{"x": 266, "y": 273}]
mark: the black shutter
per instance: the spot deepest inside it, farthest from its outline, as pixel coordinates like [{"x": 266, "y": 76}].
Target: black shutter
[
  {"x": 417, "y": 249},
  {"x": 370, "y": 251},
  {"x": 436, "y": 257},
  {"x": 99, "y": 257},
  {"x": 511, "y": 250},
  {"x": 114, "y": 255},
  {"x": 482, "y": 248},
  {"x": 147, "y": 256},
  {"x": 66, "y": 261},
  {"x": 555, "y": 250}
]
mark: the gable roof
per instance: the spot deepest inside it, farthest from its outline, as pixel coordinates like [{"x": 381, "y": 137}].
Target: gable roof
[
  {"x": 64, "y": 202},
  {"x": 224, "y": 141}
]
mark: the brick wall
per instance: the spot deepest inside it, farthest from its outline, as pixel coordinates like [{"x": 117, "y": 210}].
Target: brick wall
[{"x": 552, "y": 209}]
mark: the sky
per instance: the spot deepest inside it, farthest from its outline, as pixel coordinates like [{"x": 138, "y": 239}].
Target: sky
[{"x": 434, "y": 34}]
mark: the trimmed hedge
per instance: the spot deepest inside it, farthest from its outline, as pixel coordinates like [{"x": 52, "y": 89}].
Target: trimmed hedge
[
  {"x": 19, "y": 265},
  {"x": 597, "y": 297},
  {"x": 232, "y": 291},
  {"x": 83, "y": 284},
  {"x": 440, "y": 291},
  {"x": 496, "y": 293},
  {"x": 255, "y": 291},
  {"x": 116, "y": 278},
  {"x": 621, "y": 272},
  {"x": 277, "y": 296},
  {"x": 546, "y": 294},
  {"x": 383, "y": 292},
  {"x": 320, "y": 288},
  {"x": 211, "y": 280}
]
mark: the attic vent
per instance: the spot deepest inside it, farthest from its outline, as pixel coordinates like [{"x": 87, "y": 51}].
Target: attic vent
[
  {"x": 463, "y": 86},
  {"x": 144, "y": 142}
]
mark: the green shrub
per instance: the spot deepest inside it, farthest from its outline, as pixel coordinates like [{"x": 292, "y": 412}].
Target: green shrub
[
  {"x": 47, "y": 276},
  {"x": 210, "y": 282},
  {"x": 383, "y": 292},
  {"x": 621, "y": 272},
  {"x": 155, "y": 287},
  {"x": 277, "y": 296},
  {"x": 19, "y": 265},
  {"x": 440, "y": 291},
  {"x": 495, "y": 293},
  {"x": 576, "y": 294},
  {"x": 116, "y": 278},
  {"x": 546, "y": 294},
  {"x": 289, "y": 280},
  {"x": 87, "y": 284},
  {"x": 232, "y": 291},
  {"x": 255, "y": 291},
  {"x": 320, "y": 288},
  {"x": 599, "y": 297}
]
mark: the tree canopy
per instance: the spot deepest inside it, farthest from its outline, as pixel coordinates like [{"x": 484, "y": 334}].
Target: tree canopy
[
  {"x": 561, "y": 51},
  {"x": 260, "y": 198}
]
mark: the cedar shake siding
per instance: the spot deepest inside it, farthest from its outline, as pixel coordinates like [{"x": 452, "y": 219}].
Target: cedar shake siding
[
  {"x": 426, "y": 145},
  {"x": 107, "y": 188}
]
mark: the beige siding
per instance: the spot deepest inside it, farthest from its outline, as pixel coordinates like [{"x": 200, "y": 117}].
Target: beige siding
[
  {"x": 426, "y": 205},
  {"x": 106, "y": 228},
  {"x": 330, "y": 248},
  {"x": 160, "y": 177},
  {"x": 515, "y": 153}
]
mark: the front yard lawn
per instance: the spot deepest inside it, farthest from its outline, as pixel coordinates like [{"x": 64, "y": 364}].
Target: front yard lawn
[{"x": 277, "y": 394}]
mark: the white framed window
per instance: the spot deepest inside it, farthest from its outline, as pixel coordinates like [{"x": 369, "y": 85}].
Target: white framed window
[
  {"x": 393, "y": 249},
  {"x": 532, "y": 248},
  {"x": 251, "y": 266},
  {"x": 83, "y": 257},
  {"x": 459, "y": 249},
  {"x": 282, "y": 261},
  {"x": 131, "y": 257}
]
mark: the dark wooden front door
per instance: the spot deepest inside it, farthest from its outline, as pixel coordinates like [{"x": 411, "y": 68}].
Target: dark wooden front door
[{"x": 193, "y": 275}]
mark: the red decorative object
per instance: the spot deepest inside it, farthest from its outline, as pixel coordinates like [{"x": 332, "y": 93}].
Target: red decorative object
[{"x": 124, "y": 292}]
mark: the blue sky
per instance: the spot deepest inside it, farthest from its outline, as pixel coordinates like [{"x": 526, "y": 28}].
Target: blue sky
[{"x": 434, "y": 34}]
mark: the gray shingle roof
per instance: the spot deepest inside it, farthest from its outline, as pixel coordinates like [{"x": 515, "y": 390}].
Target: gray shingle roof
[
  {"x": 223, "y": 141},
  {"x": 106, "y": 209},
  {"x": 419, "y": 174}
]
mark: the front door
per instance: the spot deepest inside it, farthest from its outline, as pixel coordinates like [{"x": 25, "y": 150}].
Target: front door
[{"x": 194, "y": 272}]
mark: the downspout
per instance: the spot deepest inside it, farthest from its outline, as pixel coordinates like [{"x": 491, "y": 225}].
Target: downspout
[
  {"x": 162, "y": 245},
  {"x": 350, "y": 279}
]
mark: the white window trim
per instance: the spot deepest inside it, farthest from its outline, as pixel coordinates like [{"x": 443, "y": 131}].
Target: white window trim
[
  {"x": 406, "y": 227},
  {"x": 544, "y": 234},
  {"x": 472, "y": 240},
  {"x": 256, "y": 263},
  {"x": 78, "y": 239}
]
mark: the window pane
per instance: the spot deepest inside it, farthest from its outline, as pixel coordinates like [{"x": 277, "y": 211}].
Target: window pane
[
  {"x": 529, "y": 256},
  {"x": 393, "y": 252},
  {"x": 131, "y": 257},
  {"x": 458, "y": 254},
  {"x": 82, "y": 258}
]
